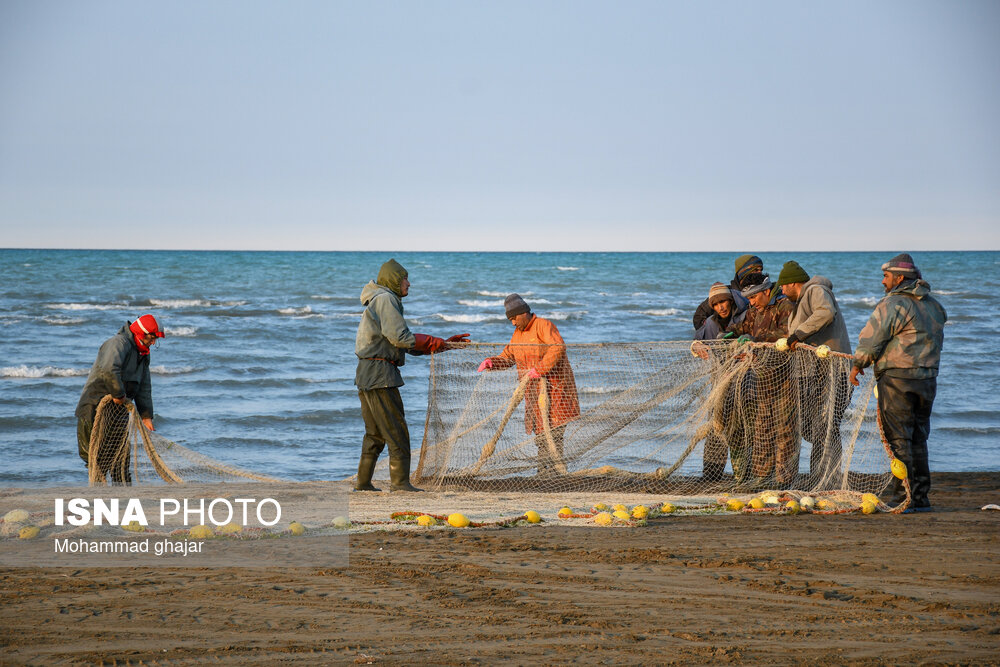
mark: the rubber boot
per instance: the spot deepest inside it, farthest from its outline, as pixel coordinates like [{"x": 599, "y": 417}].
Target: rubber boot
[
  {"x": 920, "y": 478},
  {"x": 365, "y": 470},
  {"x": 901, "y": 450},
  {"x": 399, "y": 475}
]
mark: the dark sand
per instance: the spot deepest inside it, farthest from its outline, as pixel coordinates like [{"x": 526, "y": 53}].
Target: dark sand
[{"x": 849, "y": 589}]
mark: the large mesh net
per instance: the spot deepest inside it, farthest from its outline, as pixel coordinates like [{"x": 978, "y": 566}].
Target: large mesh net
[
  {"x": 123, "y": 452},
  {"x": 675, "y": 418}
]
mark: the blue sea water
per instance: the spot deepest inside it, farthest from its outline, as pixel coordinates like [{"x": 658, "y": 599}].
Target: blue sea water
[{"x": 258, "y": 365}]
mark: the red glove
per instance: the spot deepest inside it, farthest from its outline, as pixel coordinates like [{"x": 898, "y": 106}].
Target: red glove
[
  {"x": 533, "y": 374},
  {"x": 428, "y": 344},
  {"x": 487, "y": 365},
  {"x": 458, "y": 338}
]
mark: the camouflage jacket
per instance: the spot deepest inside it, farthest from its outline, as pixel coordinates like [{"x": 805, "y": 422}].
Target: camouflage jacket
[
  {"x": 768, "y": 325},
  {"x": 904, "y": 334}
]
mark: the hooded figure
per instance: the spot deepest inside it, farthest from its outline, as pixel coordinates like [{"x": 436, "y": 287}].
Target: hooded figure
[
  {"x": 903, "y": 340},
  {"x": 121, "y": 371},
  {"x": 381, "y": 345}
]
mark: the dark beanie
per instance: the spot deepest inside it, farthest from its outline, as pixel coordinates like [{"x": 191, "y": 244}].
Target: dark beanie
[
  {"x": 391, "y": 277},
  {"x": 515, "y": 305},
  {"x": 791, "y": 272},
  {"x": 903, "y": 264},
  {"x": 746, "y": 264}
]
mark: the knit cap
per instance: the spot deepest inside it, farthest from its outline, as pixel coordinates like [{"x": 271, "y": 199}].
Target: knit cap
[
  {"x": 515, "y": 305},
  {"x": 718, "y": 293},
  {"x": 755, "y": 284},
  {"x": 902, "y": 263},
  {"x": 791, "y": 272}
]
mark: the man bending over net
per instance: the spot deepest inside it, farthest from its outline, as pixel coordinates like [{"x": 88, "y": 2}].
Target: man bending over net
[
  {"x": 121, "y": 371},
  {"x": 550, "y": 400}
]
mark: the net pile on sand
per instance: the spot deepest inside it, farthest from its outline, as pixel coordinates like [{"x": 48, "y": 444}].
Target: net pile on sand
[
  {"x": 123, "y": 451},
  {"x": 673, "y": 418}
]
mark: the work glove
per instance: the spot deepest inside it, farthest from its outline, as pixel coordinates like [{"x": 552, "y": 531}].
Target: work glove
[
  {"x": 427, "y": 344},
  {"x": 487, "y": 365},
  {"x": 533, "y": 374},
  {"x": 458, "y": 338},
  {"x": 792, "y": 341},
  {"x": 744, "y": 339}
]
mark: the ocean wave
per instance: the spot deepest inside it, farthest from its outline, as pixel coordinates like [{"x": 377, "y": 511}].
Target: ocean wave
[
  {"x": 480, "y": 303},
  {"x": 466, "y": 319},
  {"x": 489, "y": 293},
  {"x": 193, "y": 303},
  {"x": 567, "y": 315},
  {"x": 304, "y": 310},
  {"x": 568, "y": 268},
  {"x": 180, "y": 331},
  {"x": 662, "y": 312},
  {"x": 41, "y": 372},
  {"x": 88, "y": 306},
  {"x": 63, "y": 321},
  {"x": 163, "y": 370}
]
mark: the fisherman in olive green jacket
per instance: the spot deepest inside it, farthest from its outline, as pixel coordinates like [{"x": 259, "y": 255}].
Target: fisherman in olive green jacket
[
  {"x": 381, "y": 345},
  {"x": 903, "y": 339}
]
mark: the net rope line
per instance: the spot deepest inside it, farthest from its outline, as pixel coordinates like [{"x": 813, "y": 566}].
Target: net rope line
[
  {"x": 647, "y": 412},
  {"x": 116, "y": 457}
]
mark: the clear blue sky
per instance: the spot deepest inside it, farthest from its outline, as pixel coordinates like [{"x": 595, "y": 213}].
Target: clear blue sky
[{"x": 500, "y": 126}]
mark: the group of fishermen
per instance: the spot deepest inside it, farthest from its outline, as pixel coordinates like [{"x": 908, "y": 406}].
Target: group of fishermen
[{"x": 902, "y": 339}]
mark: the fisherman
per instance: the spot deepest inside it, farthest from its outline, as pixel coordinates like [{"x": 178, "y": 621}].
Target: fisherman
[
  {"x": 382, "y": 341},
  {"x": 903, "y": 339},
  {"x": 537, "y": 350},
  {"x": 775, "y": 450},
  {"x": 121, "y": 371},
  {"x": 745, "y": 265},
  {"x": 817, "y": 320}
]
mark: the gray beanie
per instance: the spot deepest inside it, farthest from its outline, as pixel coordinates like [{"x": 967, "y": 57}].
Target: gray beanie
[
  {"x": 902, "y": 263},
  {"x": 515, "y": 305},
  {"x": 755, "y": 283}
]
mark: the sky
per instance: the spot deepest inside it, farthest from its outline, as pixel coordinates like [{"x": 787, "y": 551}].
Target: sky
[{"x": 476, "y": 126}]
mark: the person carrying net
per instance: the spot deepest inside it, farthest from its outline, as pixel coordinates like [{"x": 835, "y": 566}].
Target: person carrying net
[
  {"x": 121, "y": 370},
  {"x": 550, "y": 400}
]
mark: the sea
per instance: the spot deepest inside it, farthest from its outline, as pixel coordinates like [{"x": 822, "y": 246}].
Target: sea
[{"x": 257, "y": 368}]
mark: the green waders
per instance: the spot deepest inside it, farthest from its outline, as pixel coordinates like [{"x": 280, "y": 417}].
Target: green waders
[{"x": 385, "y": 424}]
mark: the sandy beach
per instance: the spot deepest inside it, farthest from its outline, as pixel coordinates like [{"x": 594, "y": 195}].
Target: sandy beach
[{"x": 722, "y": 589}]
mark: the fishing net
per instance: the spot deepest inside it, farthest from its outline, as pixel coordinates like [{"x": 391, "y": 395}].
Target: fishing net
[
  {"x": 123, "y": 452},
  {"x": 675, "y": 418}
]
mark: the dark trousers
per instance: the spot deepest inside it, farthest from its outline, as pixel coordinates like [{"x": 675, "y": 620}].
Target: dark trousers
[
  {"x": 546, "y": 462},
  {"x": 905, "y": 405},
  {"x": 385, "y": 424},
  {"x": 819, "y": 396},
  {"x": 114, "y": 457}
]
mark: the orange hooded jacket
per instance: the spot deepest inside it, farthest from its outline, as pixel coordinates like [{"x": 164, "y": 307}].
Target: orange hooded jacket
[{"x": 541, "y": 347}]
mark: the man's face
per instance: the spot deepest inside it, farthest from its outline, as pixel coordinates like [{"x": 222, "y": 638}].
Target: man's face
[
  {"x": 760, "y": 299},
  {"x": 792, "y": 290},
  {"x": 520, "y": 322},
  {"x": 723, "y": 308},
  {"x": 404, "y": 286},
  {"x": 890, "y": 280},
  {"x": 149, "y": 340}
]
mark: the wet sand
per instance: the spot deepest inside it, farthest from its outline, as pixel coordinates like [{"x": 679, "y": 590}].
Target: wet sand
[{"x": 720, "y": 589}]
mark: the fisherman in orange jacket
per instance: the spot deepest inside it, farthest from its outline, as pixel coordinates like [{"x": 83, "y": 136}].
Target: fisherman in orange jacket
[{"x": 538, "y": 351}]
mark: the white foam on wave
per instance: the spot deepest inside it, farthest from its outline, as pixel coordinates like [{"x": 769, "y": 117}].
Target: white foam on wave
[
  {"x": 468, "y": 319},
  {"x": 63, "y": 321},
  {"x": 180, "y": 331},
  {"x": 489, "y": 293},
  {"x": 304, "y": 310},
  {"x": 568, "y": 268},
  {"x": 661, "y": 312},
  {"x": 193, "y": 303},
  {"x": 41, "y": 372},
  {"x": 87, "y": 306},
  {"x": 566, "y": 315},
  {"x": 480, "y": 303},
  {"x": 163, "y": 370}
]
